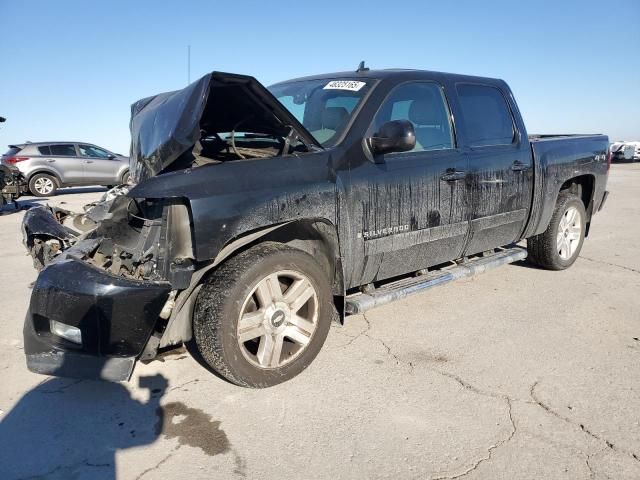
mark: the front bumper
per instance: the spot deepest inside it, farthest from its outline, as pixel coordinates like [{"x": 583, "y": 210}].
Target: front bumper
[{"x": 116, "y": 317}]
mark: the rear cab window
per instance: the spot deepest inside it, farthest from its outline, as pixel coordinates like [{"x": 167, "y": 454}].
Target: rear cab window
[
  {"x": 64, "y": 150},
  {"x": 486, "y": 116}
]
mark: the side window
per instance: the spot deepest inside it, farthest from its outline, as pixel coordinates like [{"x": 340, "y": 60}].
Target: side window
[
  {"x": 91, "y": 151},
  {"x": 66, "y": 150},
  {"x": 486, "y": 116},
  {"x": 424, "y": 105},
  {"x": 44, "y": 150}
]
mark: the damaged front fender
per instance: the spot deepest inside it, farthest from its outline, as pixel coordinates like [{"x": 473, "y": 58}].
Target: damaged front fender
[{"x": 44, "y": 236}]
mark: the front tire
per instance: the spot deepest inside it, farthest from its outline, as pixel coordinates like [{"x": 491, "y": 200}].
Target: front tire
[
  {"x": 43, "y": 185},
  {"x": 261, "y": 318},
  {"x": 559, "y": 245}
]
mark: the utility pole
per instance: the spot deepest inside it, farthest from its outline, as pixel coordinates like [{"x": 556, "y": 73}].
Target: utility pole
[{"x": 188, "y": 64}]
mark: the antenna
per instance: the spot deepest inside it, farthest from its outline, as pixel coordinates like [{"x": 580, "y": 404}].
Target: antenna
[
  {"x": 362, "y": 68},
  {"x": 188, "y": 64}
]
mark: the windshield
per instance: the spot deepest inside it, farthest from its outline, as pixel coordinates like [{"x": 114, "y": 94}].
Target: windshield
[{"x": 325, "y": 107}]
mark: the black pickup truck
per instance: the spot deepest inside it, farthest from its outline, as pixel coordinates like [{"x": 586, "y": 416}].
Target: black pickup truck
[{"x": 258, "y": 213}]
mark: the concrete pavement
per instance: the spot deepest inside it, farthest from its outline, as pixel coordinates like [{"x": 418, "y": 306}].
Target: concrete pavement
[{"x": 517, "y": 373}]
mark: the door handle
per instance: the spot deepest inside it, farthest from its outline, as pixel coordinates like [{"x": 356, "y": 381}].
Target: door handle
[
  {"x": 50, "y": 160},
  {"x": 518, "y": 166},
  {"x": 453, "y": 175},
  {"x": 88, "y": 161}
]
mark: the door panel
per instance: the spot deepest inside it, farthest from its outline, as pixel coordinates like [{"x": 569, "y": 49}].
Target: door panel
[
  {"x": 101, "y": 171},
  {"x": 99, "y": 168},
  {"x": 407, "y": 211},
  {"x": 405, "y": 217},
  {"x": 500, "y": 197},
  {"x": 65, "y": 161},
  {"x": 499, "y": 168}
]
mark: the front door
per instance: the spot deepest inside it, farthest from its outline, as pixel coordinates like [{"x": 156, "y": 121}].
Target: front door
[
  {"x": 99, "y": 166},
  {"x": 407, "y": 211}
]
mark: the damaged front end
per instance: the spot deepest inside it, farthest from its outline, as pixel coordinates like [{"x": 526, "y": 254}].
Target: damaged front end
[
  {"x": 118, "y": 281},
  {"x": 107, "y": 283}
]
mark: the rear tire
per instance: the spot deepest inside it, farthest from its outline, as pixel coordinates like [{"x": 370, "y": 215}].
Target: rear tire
[
  {"x": 261, "y": 318},
  {"x": 559, "y": 245},
  {"x": 43, "y": 185}
]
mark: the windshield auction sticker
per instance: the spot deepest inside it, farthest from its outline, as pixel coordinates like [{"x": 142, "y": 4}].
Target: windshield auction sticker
[{"x": 351, "y": 85}]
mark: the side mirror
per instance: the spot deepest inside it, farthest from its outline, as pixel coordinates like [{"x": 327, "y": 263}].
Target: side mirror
[
  {"x": 111, "y": 156},
  {"x": 394, "y": 136}
]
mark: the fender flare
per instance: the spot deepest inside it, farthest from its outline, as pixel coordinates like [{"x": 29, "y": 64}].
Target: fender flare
[{"x": 179, "y": 324}]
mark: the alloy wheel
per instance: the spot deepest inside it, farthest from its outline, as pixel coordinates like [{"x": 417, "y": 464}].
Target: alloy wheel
[
  {"x": 278, "y": 319},
  {"x": 569, "y": 233},
  {"x": 44, "y": 185}
]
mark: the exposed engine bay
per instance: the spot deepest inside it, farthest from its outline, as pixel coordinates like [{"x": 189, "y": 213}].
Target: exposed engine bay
[
  {"x": 217, "y": 148},
  {"x": 136, "y": 239}
]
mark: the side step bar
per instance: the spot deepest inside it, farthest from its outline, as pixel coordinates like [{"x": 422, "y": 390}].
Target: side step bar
[{"x": 399, "y": 289}]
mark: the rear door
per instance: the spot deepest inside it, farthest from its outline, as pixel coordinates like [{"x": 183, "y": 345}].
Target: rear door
[
  {"x": 412, "y": 204},
  {"x": 100, "y": 167},
  {"x": 63, "y": 158},
  {"x": 500, "y": 170}
]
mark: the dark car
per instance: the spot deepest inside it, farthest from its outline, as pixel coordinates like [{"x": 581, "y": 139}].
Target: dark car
[{"x": 259, "y": 212}]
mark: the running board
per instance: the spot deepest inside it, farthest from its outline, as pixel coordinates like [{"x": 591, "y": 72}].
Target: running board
[{"x": 399, "y": 289}]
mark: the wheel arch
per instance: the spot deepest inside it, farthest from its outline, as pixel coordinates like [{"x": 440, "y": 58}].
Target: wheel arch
[
  {"x": 47, "y": 172},
  {"x": 316, "y": 236},
  {"x": 122, "y": 172},
  {"x": 583, "y": 186}
]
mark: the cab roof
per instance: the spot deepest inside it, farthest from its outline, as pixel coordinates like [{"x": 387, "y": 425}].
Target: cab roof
[{"x": 398, "y": 74}]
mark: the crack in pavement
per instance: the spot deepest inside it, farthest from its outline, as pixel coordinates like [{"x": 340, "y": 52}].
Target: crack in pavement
[
  {"x": 365, "y": 333},
  {"x": 611, "y": 264},
  {"x": 490, "y": 450},
  {"x": 182, "y": 385},
  {"x": 85, "y": 463},
  {"x": 548, "y": 409},
  {"x": 592, "y": 473},
  {"x": 467, "y": 386},
  {"x": 354, "y": 337},
  {"x": 63, "y": 387},
  {"x": 508, "y": 400},
  {"x": 160, "y": 463}
]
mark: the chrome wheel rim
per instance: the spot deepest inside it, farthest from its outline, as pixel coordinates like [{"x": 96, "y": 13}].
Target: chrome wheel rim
[
  {"x": 278, "y": 319},
  {"x": 43, "y": 185},
  {"x": 569, "y": 233}
]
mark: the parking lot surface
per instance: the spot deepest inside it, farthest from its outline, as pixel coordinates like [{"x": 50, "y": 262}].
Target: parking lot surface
[{"x": 516, "y": 373}]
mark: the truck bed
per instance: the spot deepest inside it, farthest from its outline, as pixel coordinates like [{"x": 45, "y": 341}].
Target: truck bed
[
  {"x": 554, "y": 136},
  {"x": 558, "y": 157}
]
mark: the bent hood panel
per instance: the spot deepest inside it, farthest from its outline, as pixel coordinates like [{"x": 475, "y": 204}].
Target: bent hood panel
[{"x": 166, "y": 125}]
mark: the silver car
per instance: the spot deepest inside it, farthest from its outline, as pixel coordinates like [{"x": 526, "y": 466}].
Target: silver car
[{"x": 48, "y": 166}]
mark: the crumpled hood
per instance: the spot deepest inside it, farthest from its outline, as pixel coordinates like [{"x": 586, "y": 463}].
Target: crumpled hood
[{"x": 166, "y": 125}]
